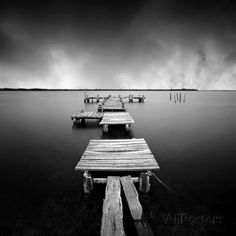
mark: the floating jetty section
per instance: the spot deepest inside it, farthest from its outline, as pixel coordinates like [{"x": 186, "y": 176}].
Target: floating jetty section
[
  {"x": 119, "y": 155},
  {"x": 114, "y": 158},
  {"x": 116, "y": 118},
  {"x": 112, "y": 104},
  {"x": 82, "y": 116},
  {"x": 130, "y": 98}
]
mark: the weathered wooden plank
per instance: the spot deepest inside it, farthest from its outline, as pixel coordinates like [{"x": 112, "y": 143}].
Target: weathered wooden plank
[
  {"x": 112, "y": 218},
  {"x": 132, "y": 197},
  {"x": 117, "y": 118},
  {"x": 145, "y": 151},
  {"x": 104, "y": 180},
  {"x": 115, "y": 168},
  {"x": 117, "y": 161},
  {"x": 128, "y": 158},
  {"x": 117, "y": 140},
  {"x": 136, "y": 210}
]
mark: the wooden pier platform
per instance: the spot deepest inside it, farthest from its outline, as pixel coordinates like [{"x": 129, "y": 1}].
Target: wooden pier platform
[
  {"x": 132, "y": 98},
  {"x": 81, "y": 116},
  {"x": 117, "y": 155},
  {"x": 112, "y": 104},
  {"x": 116, "y": 118}
]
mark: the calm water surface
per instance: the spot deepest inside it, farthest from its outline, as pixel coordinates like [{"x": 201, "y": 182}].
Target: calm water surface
[{"x": 193, "y": 142}]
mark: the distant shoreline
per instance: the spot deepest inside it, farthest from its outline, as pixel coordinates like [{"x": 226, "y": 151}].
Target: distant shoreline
[{"x": 44, "y": 89}]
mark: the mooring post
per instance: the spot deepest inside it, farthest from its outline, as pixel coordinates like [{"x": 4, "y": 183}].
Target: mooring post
[
  {"x": 122, "y": 103},
  {"x": 82, "y": 121},
  {"x": 144, "y": 182},
  {"x": 105, "y": 128},
  {"x": 143, "y": 98},
  {"x": 87, "y": 182},
  {"x": 128, "y": 127}
]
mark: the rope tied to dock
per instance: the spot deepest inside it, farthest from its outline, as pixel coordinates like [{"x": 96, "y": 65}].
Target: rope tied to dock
[{"x": 150, "y": 173}]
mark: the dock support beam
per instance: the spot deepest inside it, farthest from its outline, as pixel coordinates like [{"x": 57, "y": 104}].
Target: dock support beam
[
  {"x": 87, "y": 182},
  {"x": 144, "y": 182}
]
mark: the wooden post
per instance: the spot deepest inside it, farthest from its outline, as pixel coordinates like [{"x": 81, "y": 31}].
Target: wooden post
[
  {"x": 105, "y": 128},
  {"x": 128, "y": 127},
  {"x": 82, "y": 121},
  {"x": 144, "y": 182},
  {"x": 87, "y": 182}
]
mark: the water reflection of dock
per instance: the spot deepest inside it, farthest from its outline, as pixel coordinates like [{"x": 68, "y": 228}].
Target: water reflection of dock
[
  {"x": 178, "y": 97},
  {"x": 123, "y": 162}
]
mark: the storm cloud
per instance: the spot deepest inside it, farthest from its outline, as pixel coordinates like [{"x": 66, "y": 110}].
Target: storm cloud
[{"x": 118, "y": 44}]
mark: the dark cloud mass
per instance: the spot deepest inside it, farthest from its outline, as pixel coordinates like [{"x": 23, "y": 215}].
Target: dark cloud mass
[{"x": 118, "y": 44}]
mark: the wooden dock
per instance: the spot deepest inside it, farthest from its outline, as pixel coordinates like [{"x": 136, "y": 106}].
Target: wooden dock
[
  {"x": 116, "y": 118},
  {"x": 130, "y": 98},
  {"x": 112, "y": 104},
  {"x": 117, "y": 155},
  {"x": 82, "y": 116}
]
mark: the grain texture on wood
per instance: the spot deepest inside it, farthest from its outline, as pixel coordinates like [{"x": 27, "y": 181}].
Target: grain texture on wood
[
  {"x": 119, "y": 154},
  {"x": 116, "y": 118},
  {"x": 112, "y": 218},
  {"x": 144, "y": 182},
  {"x": 131, "y": 195}
]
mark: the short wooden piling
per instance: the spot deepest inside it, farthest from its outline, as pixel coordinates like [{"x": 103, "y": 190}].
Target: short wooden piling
[
  {"x": 87, "y": 182},
  {"x": 128, "y": 127},
  {"x": 144, "y": 182},
  {"x": 105, "y": 128}
]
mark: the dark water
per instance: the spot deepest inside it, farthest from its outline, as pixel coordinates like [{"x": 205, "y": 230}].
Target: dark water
[{"x": 193, "y": 142}]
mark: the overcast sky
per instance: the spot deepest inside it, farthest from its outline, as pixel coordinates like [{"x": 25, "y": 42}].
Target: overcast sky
[{"x": 118, "y": 44}]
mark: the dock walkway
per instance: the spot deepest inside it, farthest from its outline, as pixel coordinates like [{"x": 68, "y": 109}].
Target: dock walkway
[
  {"x": 117, "y": 155},
  {"x": 116, "y": 118},
  {"x": 112, "y": 104},
  {"x": 81, "y": 116}
]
